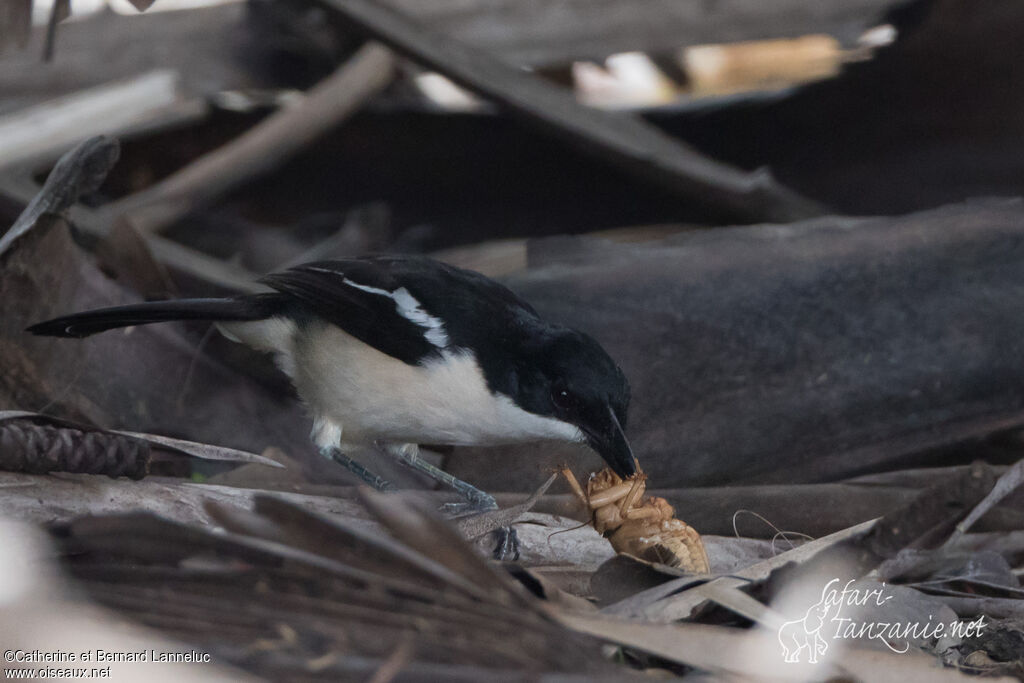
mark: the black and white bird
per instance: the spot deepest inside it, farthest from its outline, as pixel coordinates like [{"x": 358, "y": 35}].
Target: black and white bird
[{"x": 400, "y": 351}]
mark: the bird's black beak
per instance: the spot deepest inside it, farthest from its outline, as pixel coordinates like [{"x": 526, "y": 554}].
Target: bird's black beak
[{"x": 610, "y": 443}]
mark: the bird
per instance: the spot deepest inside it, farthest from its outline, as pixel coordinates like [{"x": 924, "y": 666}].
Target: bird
[{"x": 397, "y": 351}]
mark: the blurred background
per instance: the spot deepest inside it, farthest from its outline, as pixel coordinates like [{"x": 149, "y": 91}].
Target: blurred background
[
  {"x": 259, "y": 134},
  {"x": 796, "y": 225}
]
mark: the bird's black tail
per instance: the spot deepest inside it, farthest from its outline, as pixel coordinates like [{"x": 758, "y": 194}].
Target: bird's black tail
[{"x": 253, "y": 307}]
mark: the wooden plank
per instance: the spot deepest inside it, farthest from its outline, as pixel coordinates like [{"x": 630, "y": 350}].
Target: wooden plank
[
  {"x": 48, "y": 129},
  {"x": 204, "y": 46},
  {"x": 626, "y": 141},
  {"x": 783, "y": 354},
  {"x": 544, "y": 32}
]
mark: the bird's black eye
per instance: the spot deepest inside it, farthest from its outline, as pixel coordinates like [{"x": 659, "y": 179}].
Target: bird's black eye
[{"x": 561, "y": 397}]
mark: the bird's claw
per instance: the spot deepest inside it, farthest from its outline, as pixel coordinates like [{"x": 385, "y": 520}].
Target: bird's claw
[
  {"x": 457, "y": 509},
  {"x": 507, "y": 546},
  {"x": 481, "y": 504}
]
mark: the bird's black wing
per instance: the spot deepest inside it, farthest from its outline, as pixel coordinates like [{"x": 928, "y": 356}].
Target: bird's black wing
[
  {"x": 366, "y": 312},
  {"x": 411, "y": 308}
]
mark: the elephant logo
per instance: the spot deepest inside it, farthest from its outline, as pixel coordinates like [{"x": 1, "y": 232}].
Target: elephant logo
[{"x": 805, "y": 632}]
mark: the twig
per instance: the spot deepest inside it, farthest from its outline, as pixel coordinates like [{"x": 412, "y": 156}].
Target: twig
[
  {"x": 1005, "y": 485},
  {"x": 58, "y": 12},
  {"x": 395, "y": 662},
  {"x": 78, "y": 172},
  {"x": 263, "y": 147},
  {"x": 626, "y": 140}
]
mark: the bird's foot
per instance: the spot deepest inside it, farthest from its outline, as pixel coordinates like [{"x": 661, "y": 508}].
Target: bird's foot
[
  {"x": 507, "y": 546},
  {"x": 476, "y": 502}
]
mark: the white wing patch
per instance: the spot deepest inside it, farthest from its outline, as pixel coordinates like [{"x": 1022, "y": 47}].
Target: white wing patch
[{"x": 410, "y": 309}]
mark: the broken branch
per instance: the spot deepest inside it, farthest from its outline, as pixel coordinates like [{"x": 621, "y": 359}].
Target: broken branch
[
  {"x": 625, "y": 140},
  {"x": 263, "y": 147}
]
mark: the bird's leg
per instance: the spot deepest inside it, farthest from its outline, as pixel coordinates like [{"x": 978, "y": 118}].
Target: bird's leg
[
  {"x": 507, "y": 541},
  {"x": 326, "y": 434},
  {"x": 476, "y": 500},
  {"x": 357, "y": 468}
]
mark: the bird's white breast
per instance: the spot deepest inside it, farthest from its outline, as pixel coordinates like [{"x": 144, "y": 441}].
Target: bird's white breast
[{"x": 373, "y": 396}]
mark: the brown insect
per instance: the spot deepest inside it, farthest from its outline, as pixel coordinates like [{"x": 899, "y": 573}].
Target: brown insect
[{"x": 643, "y": 527}]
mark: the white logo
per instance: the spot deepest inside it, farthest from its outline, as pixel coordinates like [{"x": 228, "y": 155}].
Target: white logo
[
  {"x": 798, "y": 634},
  {"x": 824, "y": 622}
]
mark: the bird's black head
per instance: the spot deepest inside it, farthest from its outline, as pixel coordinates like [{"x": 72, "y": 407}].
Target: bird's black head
[{"x": 569, "y": 377}]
